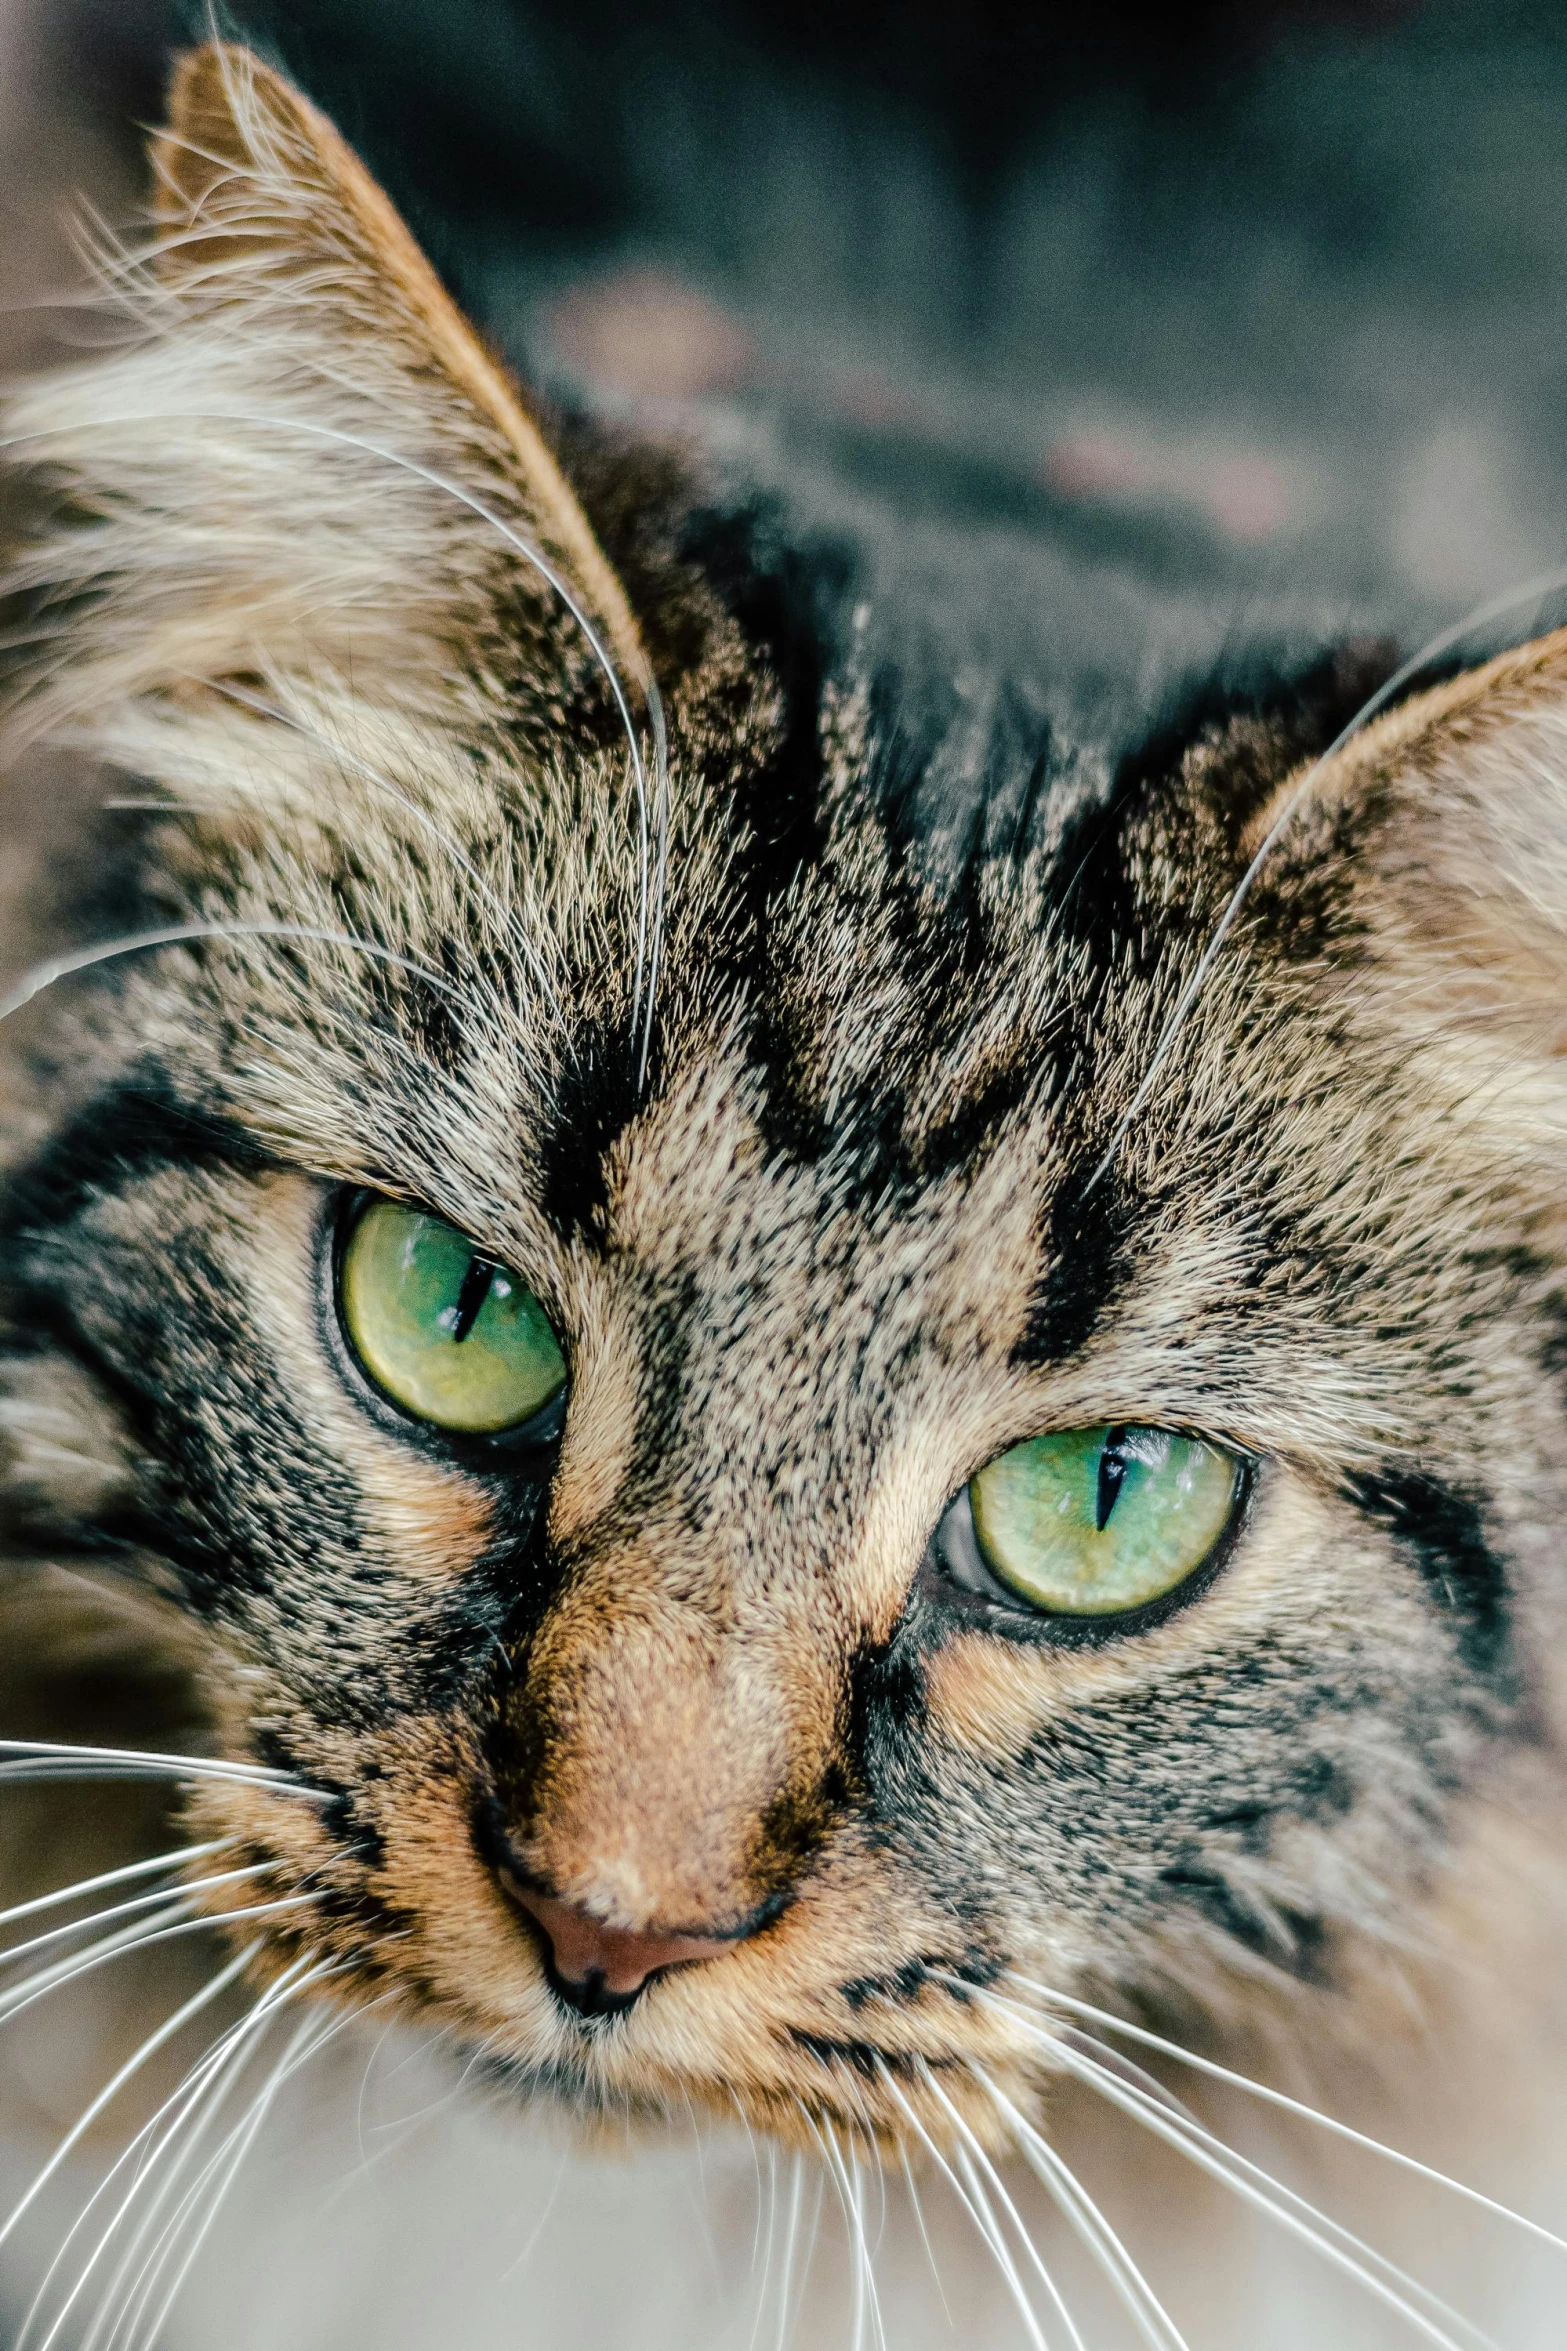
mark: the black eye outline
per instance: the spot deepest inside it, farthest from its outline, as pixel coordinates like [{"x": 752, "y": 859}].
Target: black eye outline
[
  {"x": 531, "y": 1442},
  {"x": 954, "y": 1573}
]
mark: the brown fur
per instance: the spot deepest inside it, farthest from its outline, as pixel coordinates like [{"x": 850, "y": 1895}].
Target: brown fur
[{"x": 811, "y": 1277}]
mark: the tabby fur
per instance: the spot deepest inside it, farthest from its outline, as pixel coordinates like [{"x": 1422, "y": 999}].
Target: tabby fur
[{"x": 798, "y": 1125}]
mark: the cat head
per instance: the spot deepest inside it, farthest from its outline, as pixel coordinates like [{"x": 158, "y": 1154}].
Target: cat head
[{"x": 757, "y": 1529}]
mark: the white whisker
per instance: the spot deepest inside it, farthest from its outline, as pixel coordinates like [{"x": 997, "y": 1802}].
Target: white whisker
[
  {"x": 822, "y": 2133},
  {"x": 139, "y": 1902},
  {"x": 115, "y": 1877},
  {"x": 138, "y": 1936},
  {"x": 145, "y": 2146},
  {"x": 186, "y": 2117},
  {"x": 185, "y": 2104},
  {"x": 1292, "y": 2212},
  {"x": 974, "y": 2153},
  {"x": 208, "y": 1767},
  {"x": 867, "y": 2298},
  {"x": 59, "y": 967},
  {"x": 768, "y": 2245},
  {"x": 64, "y": 1971},
  {"x": 791, "y": 2241},
  {"x": 991, "y": 2229},
  {"x": 177, "y": 2148},
  {"x": 912, "y": 2185},
  {"x": 130, "y": 2296},
  {"x": 149, "y": 2048},
  {"x": 1108, "y": 2021},
  {"x": 364, "y": 2088},
  {"x": 1152, "y": 2320},
  {"x": 813, "y": 2234},
  {"x": 312, "y": 2036},
  {"x": 879, "y": 2175},
  {"x": 978, "y": 2212},
  {"x": 1128, "y": 2070},
  {"x": 661, "y": 876},
  {"x": 520, "y": 2261},
  {"x": 762, "y": 2251}
]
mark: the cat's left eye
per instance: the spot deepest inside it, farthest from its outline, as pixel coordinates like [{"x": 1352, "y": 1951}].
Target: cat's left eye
[
  {"x": 449, "y": 1335},
  {"x": 1095, "y": 1522}
]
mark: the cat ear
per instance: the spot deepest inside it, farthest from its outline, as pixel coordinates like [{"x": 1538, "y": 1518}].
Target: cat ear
[
  {"x": 308, "y": 460},
  {"x": 1446, "y": 822},
  {"x": 255, "y": 183}
]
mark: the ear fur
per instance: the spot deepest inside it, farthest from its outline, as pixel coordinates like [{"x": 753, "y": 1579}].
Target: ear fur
[
  {"x": 252, "y": 179},
  {"x": 1445, "y": 822},
  {"x": 305, "y": 465}
]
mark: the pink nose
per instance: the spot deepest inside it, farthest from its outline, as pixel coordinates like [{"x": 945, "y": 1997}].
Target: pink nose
[{"x": 600, "y": 1969}]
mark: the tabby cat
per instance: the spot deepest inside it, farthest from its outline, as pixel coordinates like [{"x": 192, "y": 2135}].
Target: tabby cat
[{"x": 821, "y": 1453}]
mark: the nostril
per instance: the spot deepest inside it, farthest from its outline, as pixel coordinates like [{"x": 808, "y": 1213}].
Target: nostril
[{"x": 599, "y": 1970}]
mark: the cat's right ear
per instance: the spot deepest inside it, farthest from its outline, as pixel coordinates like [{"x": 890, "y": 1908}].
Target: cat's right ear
[{"x": 306, "y": 461}]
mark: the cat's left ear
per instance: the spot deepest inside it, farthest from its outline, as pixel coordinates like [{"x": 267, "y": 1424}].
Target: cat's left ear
[
  {"x": 1439, "y": 835},
  {"x": 309, "y": 461}
]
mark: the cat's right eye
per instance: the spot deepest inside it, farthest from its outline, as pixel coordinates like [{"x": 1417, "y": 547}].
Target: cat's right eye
[{"x": 446, "y": 1333}]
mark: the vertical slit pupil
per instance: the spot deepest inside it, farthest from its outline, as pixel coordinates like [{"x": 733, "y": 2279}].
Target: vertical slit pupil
[
  {"x": 470, "y": 1298},
  {"x": 1112, "y": 1469}
]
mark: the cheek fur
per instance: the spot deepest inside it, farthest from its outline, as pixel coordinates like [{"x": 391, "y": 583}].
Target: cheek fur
[{"x": 1262, "y": 1778}]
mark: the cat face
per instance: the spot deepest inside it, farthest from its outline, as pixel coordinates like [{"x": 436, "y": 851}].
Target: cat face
[{"x": 915, "y": 1541}]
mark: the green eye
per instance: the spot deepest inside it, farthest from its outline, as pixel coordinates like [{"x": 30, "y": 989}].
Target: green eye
[
  {"x": 449, "y": 1335},
  {"x": 1091, "y": 1522}
]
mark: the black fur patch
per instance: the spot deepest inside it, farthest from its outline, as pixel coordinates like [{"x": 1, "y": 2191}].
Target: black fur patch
[
  {"x": 1089, "y": 1254},
  {"x": 130, "y": 1130},
  {"x": 869, "y": 2061},
  {"x": 1445, "y": 1532},
  {"x": 1292, "y": 1939},
  {"x": 595, "y": 1098}
]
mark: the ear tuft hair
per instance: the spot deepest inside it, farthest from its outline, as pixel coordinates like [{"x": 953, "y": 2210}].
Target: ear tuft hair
[
  {"x": 252, "y": 177},
  {"x": 305, "y": 466}
]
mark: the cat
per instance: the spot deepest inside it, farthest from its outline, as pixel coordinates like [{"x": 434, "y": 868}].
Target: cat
[{"x": 825, "y": 1432}]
